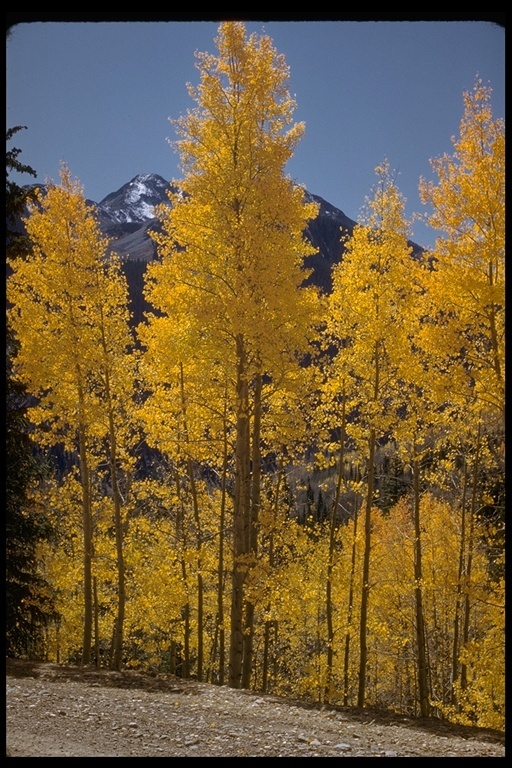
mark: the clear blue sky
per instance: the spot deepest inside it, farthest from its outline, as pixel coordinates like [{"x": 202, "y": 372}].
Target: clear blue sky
[{"x": 98, "y": 96}]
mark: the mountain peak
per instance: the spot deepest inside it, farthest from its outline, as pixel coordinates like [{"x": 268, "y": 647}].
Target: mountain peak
[{"x": 135, "y": 201}]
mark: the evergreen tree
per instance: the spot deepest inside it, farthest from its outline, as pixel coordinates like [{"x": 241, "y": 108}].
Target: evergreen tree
[
  {"x": 29, "y": 600},
  {"x": 16, "y": 199}
]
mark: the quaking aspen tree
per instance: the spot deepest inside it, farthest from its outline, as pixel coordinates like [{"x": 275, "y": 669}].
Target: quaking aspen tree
[
  {"x": 416, "y": 433},
  {"x": 116, "y": 386},
  {"x": 365, "y": 322},
  {"x": 229, "y": 281},
  {"x": 189, "y": 419},
  {"x": 468, "y": 280},
  {"x": 69, "y": 311},
  {"x": 332, "y": 414},
  {"x": 471, "y": 460},
  {"x": 417, "y": 443},
  {"x": 464, "y": 335}
]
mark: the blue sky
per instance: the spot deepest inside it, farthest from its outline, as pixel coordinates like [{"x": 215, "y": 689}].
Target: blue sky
[{"x": 98, "y": 96}]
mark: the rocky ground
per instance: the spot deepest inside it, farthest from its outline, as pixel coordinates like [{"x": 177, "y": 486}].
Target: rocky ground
[{"x": 61, "y": 711}]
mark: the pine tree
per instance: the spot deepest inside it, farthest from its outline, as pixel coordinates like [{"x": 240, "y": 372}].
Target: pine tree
[
  {"x": 29, "y": 600},
  {"x": 16, "y": 198}
]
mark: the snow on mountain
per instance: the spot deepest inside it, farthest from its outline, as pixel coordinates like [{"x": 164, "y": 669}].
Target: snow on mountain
[
  {"x": 127, "y": 218},
  {"x": 135, "y": 202},
  {"x": 128, "y": 215}
]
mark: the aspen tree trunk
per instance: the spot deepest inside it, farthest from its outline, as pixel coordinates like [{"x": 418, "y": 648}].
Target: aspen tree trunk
[
  {"x": 220, "y": 567},
  {"x": 328, "y": 607},
  {"x": 363, "y": 648},
  {"x": 458, "y": 599},
  {"x": 363, "y": 625},
  {"x": 253, "y": 531},
  {"x": 330, "y": 563},
  {"x": 266, "y": 650},
  {"x": 350, "y": 612},
  {"x": 200, "y": 591},
  {"x": 197, "y": 521},
  {"x": 423, "y": 687},
  {"x": 117, "y": 650},
  {"x": 96, "y": 624},
  {"x": 117, "y": 658},
  {"x": 494, "y": 336},
  {"x": 268, "y": 624},
  {"x": 469, "y": 562},
  {"x": 87, "y": 539},
  {"x": 85, "y": 480},
  {"x": 241, "y": 513},
  {"x": 186, "y": 637},
  {"x": 319, "y": 634},
  {"x": 181, "y": 539}
]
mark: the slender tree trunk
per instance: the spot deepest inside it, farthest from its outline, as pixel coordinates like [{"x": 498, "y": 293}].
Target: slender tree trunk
[
  {"x": 253, "y": 531},
  {"x": 96, "y": 623},
  {"x": 469, "y": 562},
  {"x": 240, "y": 518},
  {"x": 494, "y": 340},
  {"x": 200, "y": 590},
  {"x": 88, "y": 547},
  {"x": 328, "y": 607},
  {"x": 330, "y": 562},
  {"x": 117, "y": 660},
  {"x": 271, "y": 561},
  {"x": 423, "y": 686},
  {"x": 458, "y": 599},
  {"x": 363, "y": 648},
  {"x": 220, "y": 567},
  {"x": 365, "y": 594},
  {"x": 117, "y": 651},
  {"x": 198, "y": 527},
  {"x": 266, "y": 652},
  {"x": 350, "y": 611},
  {"x": 186, "y": 637},
  {"x": 182, "y": 542}
]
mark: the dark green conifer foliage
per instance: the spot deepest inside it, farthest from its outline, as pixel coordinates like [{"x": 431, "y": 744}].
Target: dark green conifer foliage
[{"x": 29, "y": 600}]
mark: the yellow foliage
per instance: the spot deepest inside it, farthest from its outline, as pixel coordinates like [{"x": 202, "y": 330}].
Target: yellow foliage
[{"x": 468, "y": 280}]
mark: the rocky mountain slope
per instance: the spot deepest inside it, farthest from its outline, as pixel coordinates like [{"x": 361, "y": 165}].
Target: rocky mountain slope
[{"x": 128, "y": 215}]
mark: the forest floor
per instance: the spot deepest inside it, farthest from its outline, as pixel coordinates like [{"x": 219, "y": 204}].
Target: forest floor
[{"x": 66, "y": 711}]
